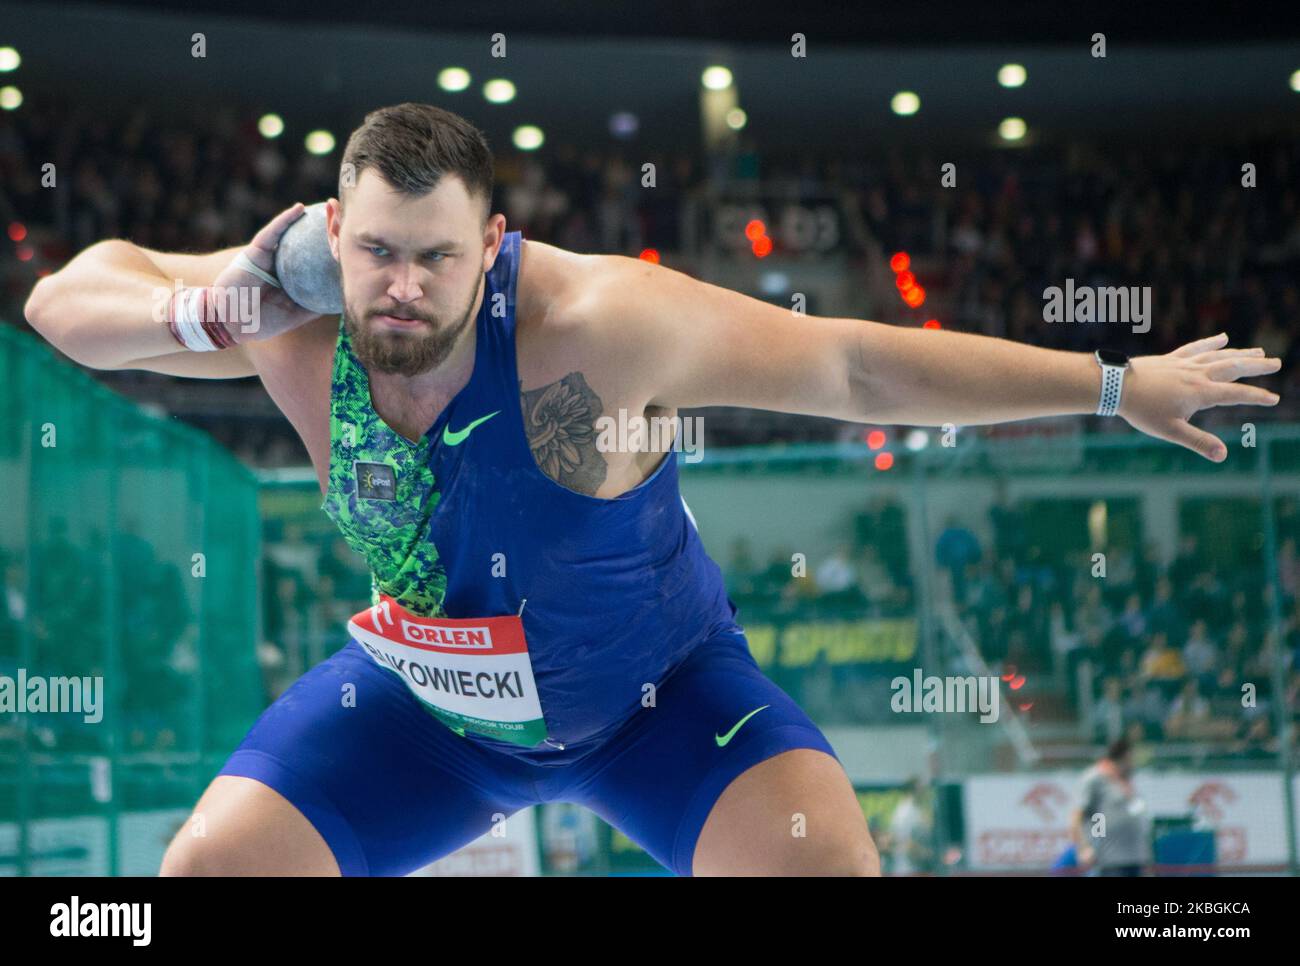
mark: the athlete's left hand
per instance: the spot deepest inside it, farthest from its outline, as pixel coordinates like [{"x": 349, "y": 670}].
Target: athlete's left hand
[{"x": 1162, "y": 392}]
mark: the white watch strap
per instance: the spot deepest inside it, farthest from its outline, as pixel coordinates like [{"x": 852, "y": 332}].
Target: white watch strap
[{"x": 1112, "y": 385}]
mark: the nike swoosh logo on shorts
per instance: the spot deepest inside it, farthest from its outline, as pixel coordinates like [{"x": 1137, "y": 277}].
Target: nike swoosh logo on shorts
[
  {"x": 458, "y": 437},
  {"x": 723, "y": 739}
]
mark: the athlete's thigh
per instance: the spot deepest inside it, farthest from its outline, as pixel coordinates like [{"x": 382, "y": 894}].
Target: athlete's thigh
[
  {"x": 242, "y": 827},
  {"x": 716, "y": 717},
  {"x": 385, "y": 785},
  {"x": 795, "y": 814}
]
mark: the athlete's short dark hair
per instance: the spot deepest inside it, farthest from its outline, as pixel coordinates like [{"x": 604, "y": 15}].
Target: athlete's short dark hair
[{"x": 412, "y": 146}]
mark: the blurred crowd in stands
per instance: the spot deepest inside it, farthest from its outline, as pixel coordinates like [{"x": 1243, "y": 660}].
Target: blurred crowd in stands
[
  {"x": 1176, "y": 218},
  {"x": 1177, "y": 652}
]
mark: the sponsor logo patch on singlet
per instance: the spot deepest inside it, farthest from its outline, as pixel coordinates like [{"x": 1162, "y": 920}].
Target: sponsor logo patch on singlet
[{"x": 473, "y": 674}]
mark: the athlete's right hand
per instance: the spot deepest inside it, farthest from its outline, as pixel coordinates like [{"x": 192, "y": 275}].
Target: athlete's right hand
[{"x": 250, "y": 308}]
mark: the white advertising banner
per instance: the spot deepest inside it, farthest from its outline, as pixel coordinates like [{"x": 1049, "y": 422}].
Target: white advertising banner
[{"x": 1022, "y": 821}]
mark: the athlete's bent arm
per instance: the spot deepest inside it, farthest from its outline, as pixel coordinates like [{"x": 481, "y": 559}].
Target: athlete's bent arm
[
  {"x": 100, "y": 310},
  {"x": 108, "y": 307},
  {"x": 698, "y": 344}
]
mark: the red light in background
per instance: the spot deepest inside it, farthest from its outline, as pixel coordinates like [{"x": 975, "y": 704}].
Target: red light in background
[
  {"x": 905, "y": 281},
  {"x": 42, "y": 272},
  {"x": 1017, "y": 682},
  {"x": 25, "y": 253},
  {"x": 875, "y": 439},
  {"x": 932, "y": 324},
  {"x": 762, "y": 246},
  {"x": 649, "y": 255},
  {"x": 755, "y": 230},
  {"x": 884, "y": 461},
  {"x": 900, "y": 262},
  {"x": 915, "y": 297},
  {"x": 17, "y": 231}
]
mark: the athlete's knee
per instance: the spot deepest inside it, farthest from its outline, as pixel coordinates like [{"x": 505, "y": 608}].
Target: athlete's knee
[
  {"x": 190, "y": 855},
  {"x": 850, "y": 856}
]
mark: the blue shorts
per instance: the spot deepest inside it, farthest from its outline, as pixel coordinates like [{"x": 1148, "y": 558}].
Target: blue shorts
[{"x": 391, "y": 789}]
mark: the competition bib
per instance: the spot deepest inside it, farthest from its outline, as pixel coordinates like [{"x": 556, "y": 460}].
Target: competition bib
[{"x": 473, "y": 674}]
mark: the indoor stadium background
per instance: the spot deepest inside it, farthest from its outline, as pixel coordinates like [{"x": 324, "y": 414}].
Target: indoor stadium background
[{"x": 166, "y": 534}]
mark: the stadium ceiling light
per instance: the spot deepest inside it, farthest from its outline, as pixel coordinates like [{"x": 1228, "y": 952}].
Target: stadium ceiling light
[
  {"x": 905, "y": 103},
  {"x": 319, "y": 142},
  {"x": 716, "y": 78},
  {"x": 10, "y": 98},
  {"x": 528, "y": 137},
  {"x": 1011, "y": 75},
  {"x": 1012, "y": 129},
  {"x": 9, "y": 59},
  {"x": 453, "y": 79},
  {"x": 270, "y": 126},
  {"x": 1295, "y": 82},
  {"x": 624, "y": 124},
  {"x": 736, "y": 118},
  {"x": 499, "y": 91}
]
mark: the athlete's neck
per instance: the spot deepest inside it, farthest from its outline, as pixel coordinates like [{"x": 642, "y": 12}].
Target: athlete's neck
[{"x": 412, "y": 404}]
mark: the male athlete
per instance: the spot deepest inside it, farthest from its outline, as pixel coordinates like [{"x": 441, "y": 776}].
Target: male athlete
[{"x": 546, "y": 624}]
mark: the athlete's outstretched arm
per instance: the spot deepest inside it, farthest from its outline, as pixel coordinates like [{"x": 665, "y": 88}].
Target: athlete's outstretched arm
[
  {"x": 702, "y": 345},
  {"x": 106, "y": 308}
]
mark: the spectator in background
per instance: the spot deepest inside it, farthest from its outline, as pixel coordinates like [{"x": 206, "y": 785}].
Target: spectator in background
[
  {"x": 1190, "y": 715},
  {"x": 1065, "y": 645},
  {"x": 955, "y": 549},
  {"x": 1205, "y": 597},
  {"x": 910, "y": 828},
  {"x": 1145, "y": 709},
  {"x": 1109, "y": 824},
  {"x": 1161, "y": 664},
  {"x": 1107, "y": 720},
  {"x": 836, "y": 576},
  {"x": 1201, "y": 656},
  {"x": 1165, "y": 616},
  {"x": 1093, "y": 615},
  {"x": 1133, "y": 619}
]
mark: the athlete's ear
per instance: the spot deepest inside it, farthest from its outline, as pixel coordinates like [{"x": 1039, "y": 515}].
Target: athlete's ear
[
  {"x": 333, "y": 223},
  {"x": 494, "y": 233}
]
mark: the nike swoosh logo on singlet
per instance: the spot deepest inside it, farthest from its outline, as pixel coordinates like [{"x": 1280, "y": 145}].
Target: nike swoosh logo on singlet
[
  {"x": 458, "y": 437},
  {"x": 723, "y": 739}
]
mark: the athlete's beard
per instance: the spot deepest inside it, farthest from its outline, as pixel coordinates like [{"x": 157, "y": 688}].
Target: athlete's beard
[{"x": 405, "y": 353}]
